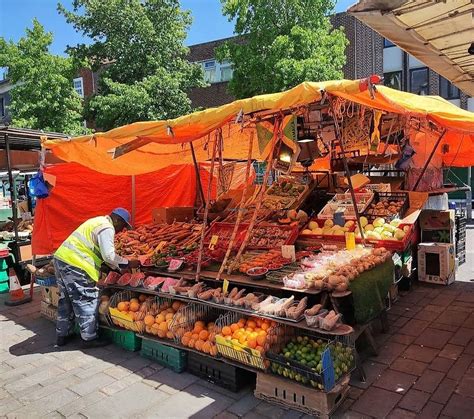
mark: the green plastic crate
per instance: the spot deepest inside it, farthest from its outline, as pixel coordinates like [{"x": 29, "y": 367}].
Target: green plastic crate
[
  {"x": 104, "y": 332},
  {"x": 127, "y": 340},
  {"x": 172, "y": 358}
]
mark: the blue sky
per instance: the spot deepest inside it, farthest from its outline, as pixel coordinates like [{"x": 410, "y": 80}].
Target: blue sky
[{"x": 16, "y": 15}]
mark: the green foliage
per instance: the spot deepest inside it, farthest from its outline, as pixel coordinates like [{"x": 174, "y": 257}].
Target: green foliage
[
  {"x": 282, "y": 43},
  {"x": 138, "y": 44},
  {"x": 43, "y": 96}
]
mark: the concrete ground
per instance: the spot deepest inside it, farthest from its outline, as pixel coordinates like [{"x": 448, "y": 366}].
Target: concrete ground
[{"x": 425, "y": 368}]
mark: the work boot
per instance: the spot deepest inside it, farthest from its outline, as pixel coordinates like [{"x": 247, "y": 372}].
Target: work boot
[
  {"x": 62, "y": 340},
  {"x": 95, "y": 343}
]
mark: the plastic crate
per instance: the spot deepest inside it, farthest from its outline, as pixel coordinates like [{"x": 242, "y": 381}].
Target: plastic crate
[
  {"x": 371, "y": 213},
  {"x": 172, "y": 358},
  {"x": 218, "y": 372},
  {"x": 127, "y": 340}
]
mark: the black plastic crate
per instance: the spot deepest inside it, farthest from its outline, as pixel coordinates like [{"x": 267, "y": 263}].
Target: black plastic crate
[
  {"x": 219, "y": 373},
  {"x": 371, "y": 213}
]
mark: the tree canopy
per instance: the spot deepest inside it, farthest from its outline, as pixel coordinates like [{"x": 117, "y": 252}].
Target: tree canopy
[
  {"x": 138, "y": 47},
  {"x": 281, "y": 44},
  {"x": 43, "y": 96}
]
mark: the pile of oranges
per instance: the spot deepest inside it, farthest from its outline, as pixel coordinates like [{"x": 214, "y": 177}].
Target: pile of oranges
[
  {"x": 158, "y": 319},
  {"x": 201, "y": 337},
  {"x": 135, "y": 309},
  {"x": 251, "y": 333}
]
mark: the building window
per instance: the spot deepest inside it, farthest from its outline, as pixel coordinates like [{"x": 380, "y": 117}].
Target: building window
[
  {"x": 2, "y": 107},
  {"x": 447, "y": 90},
  {"x": 209, "y": 68},
  {"x": 387, "y": 43},
  {"x": 393, "y": 80},
  {"x": 78, "y": 86},
  {"x": 226, "y": 70},
  {"x": 419, "y": 83}
]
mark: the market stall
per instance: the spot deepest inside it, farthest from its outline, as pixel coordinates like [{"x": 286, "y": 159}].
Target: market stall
[{"x": 273, "y": 279}]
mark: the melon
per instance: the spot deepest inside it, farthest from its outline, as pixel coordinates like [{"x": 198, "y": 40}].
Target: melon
[
  {"x": 399, "y": 234},
  {"x": 306, "y": 231},
  {"x": 379, "y": 222},
  {"x": 369, "y": 227},
  {"x": 313, "y": 225},
  {"x": 363, "y": 221},
  {"x": 329, "y": 223}
]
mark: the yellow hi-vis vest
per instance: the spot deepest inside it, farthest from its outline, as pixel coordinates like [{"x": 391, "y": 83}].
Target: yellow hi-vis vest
[{"x": 81, "y": 248}]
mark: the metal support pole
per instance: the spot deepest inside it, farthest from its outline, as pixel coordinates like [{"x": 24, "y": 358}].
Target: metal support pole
[
  {"x": 469, "y": 194},
  {"x": 429, "y": 159},
  {"x": 198, "y": 176},
  {"x": 13, "y": 196}
]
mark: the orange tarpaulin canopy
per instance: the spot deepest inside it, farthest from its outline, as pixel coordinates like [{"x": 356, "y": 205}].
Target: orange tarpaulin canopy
[{"x": 170, "y": 138}]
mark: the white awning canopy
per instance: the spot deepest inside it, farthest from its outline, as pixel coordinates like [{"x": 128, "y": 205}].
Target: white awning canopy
[{"x": 438, "y": 33}]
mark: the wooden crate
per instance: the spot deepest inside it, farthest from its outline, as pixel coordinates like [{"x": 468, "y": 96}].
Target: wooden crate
[{"x": 292, "y": 395}]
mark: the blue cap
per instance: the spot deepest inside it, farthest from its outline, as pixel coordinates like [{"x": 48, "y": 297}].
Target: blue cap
[{"x": 124, "y": 215}]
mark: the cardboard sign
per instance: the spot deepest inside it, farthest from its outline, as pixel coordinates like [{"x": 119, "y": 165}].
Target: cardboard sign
[
  {"x": 288, "y": 252},
  {"x": 213, "y": 242},
  {"x": 225, "y": 286},
  {"x": 350, "y": 240}
]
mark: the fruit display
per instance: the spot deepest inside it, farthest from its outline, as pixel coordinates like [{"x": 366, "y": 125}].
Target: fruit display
[
  {"x": 272, "y": 236},
  {"x": 379, "y": 229},
  {"x": 343, "y": 202},
  {"x": 333, "y": 271},
  {"x": 149, "y": 239},
  {"x": 388, "y": 205},
  {"x": 271, "y": 260},
  {"x": 283, "y": 194},
  {"x": 128, "y": 310},
  {"x": 201, "y": 338},
  {"x": 301, "y": 359},
  {"x": 327, "y": 227},
  {"x": 159, "y": 316}
]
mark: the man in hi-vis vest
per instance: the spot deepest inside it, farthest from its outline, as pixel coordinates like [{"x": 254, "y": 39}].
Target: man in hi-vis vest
[{"x": 77, "y": 263}]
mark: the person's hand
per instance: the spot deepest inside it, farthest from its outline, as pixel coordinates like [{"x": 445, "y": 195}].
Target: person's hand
[{"x": 133, "y": 263}]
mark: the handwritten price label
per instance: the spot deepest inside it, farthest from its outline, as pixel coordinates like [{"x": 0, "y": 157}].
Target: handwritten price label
[
  {"x": 225, "y": 286},
  {"x": 213, "y": 242}
]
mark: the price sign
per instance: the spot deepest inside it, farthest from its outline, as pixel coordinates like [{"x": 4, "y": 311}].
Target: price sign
[
  {"x": 213, "y": 242},
  {"x": 160, "y": 246},
  {"x": 225, "y": 286},
  {"x": 288, "y": 252},
  {"x": 350, "y": 240}
]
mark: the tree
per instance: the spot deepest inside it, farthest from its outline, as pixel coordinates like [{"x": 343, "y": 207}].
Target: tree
[
  {"x": 43, "y": 96},
  {"x": 138, "y": 45},
  {"x": 281, "y": 44}
]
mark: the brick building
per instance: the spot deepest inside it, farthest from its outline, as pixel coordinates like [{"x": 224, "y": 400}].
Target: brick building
[{"x": 367, "y": 53}]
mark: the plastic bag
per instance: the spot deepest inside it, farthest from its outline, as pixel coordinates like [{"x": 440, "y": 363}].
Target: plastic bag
[{"x": 37, "y": 186}]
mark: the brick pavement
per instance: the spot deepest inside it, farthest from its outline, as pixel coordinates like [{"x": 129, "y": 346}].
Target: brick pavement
[{"x": 425, "y": 368}]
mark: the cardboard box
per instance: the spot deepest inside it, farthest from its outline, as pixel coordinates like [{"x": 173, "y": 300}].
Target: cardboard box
[
  {"x": 437, "y": 220},
  {"x": 166, "y": 215},
  {"x": 436, "y": 263},
  {"x": 50, "y": 295}
]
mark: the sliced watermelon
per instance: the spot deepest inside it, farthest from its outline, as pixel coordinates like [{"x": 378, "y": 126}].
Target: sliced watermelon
[
  {"x": 112, "y": 278},
  {"x": 124, "y": 279},
  {"x": 136, "y": 279}
]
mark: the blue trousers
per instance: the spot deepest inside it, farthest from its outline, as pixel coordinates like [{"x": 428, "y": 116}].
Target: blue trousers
[{"x": 78, "y": 299}]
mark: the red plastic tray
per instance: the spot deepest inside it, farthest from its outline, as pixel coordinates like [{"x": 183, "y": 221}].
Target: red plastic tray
[
  {"x": 393, "y": 245},
  {"x": 325, "y": 236},
  {"x": 224, "y": 231}
]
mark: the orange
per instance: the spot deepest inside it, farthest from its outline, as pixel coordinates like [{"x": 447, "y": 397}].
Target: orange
[
  {"x": 260, "y": 349},
  {"x": 226, "y": 331},
  {"x": 161, "y": 334},
  {"x": 213, "y": 350},
  {"x": 262, "y": 333},
  {"x": 163, "y": 327},
  {"x": 176, "y": 305},
  {"x": 200, "y": 323},
  {"x": 197, "y": 328},
  {"x": 234, "y": 327},
  {"x": 149, "y": 320},
  {"x": 203, "y": 334},
  {"x": 249, "y": 330},
  {"x": 191, "y": 343},
  {"x": 242, "y": 339},
  {"x": 206, "y": 347},
  {"x": 185, "y": 340},
  {"x": 188, "y": 334},
  {"x": 259, "y": 322},
  {"x": 265, "y": 326},
  {"x": 134, "y": 300},
  {"x": 169, "y": 316},
  {"x": 160, "y": 318},
  {"x": 211, "y": 326},
  {"x": 123, "y": 306},
  {"x": 195, "y": 336},
  {"x": 251, "y": 324},
  {"x": 241, "y": 322},
  {"x": 198, "y": 345},
  {"x": 134, "y": 306},
  {"x": 252, "y": 343},
  {"x": 212, "y": 337},
  {"x": 142, "y": 298},
  {"x": 169, "y": 335},
  {"x": 261, "y": 340}
]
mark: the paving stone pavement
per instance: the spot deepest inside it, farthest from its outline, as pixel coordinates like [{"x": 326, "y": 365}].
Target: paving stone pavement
[{"x": 425, "y": 368}]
